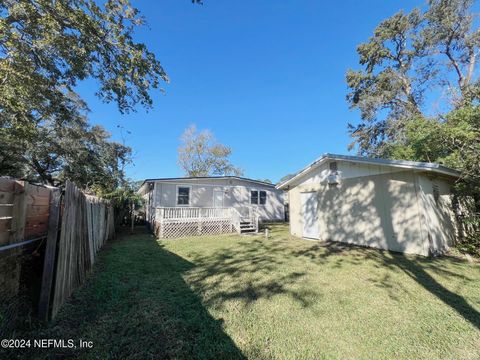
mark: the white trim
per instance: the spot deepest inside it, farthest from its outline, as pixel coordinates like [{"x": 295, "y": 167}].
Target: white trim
[
  {"x": 210, "y": 185},
  {"x": 258, "y": 197},
  {"x": 266, "y": 198},
  {"x": 201, "y": 180},
  {"x": 422, "y": 166},
  {"x": 250, "y": 197},
  {"x": 189, "y": 195}
]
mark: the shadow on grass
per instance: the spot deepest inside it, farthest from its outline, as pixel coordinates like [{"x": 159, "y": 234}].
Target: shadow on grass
[
  {"x": 137, "y": 306},
  {"x": 250, "y": 271},
  {"x": 416, "y": 271},
  {"x": 413, "y": 266},
  {"x": 247, "y": 272}
]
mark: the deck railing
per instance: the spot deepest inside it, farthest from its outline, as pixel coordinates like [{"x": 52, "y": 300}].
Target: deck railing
[
  {"x": 173, "y": 213},
  {"x": 188, "y": 221}
]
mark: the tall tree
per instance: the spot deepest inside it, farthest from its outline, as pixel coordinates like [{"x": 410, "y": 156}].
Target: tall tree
[
  {"x": 74, "y": 150},
  {"x": 409, "y": 59},
  {"x": 201, "y": 155},
  {"x": 46, "y": 48}
]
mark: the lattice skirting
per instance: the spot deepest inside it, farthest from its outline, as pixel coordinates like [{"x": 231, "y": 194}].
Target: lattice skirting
[{"x": 168, "y": 229}]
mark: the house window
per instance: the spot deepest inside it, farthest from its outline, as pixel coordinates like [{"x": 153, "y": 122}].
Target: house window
[
  {"x": 258, "y": 197},
  {"x": 263, "y": 198},
  {"x": 254, "y": 197},
  {"x": 183, "y": 195}
]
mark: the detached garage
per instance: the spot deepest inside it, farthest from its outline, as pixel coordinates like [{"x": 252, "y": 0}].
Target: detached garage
[{"x": 396, "y": 205}]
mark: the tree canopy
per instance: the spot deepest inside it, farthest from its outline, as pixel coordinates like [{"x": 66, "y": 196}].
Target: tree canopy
[
  {"x": 200, "y": 154},
  {"x": 411, "y": 61},
  {"x": 286, "y": 177},
  {"x": 46, "y": 48}
]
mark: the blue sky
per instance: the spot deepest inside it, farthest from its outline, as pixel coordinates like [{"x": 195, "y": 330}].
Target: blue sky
[{"x": 267, "y": 77}]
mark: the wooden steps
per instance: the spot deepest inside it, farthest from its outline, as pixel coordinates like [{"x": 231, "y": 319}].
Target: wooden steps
[{"x": 247, "y": 226}]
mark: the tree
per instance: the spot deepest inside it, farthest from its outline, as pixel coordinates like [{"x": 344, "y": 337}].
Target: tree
[
  {"x": 122, "y": 199},
  {"x": 201, "y": 155},
  {"x": 286, "y": 177},
  {"x": 409, "y": 58},
  {"x": 453, "y": 140},
  {"x": 46, "y": 48},
  {"x": 51, "y": 153}
]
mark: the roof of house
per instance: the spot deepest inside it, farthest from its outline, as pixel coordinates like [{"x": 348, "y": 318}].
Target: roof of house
[
  {"x": 174, "y": 179},
  {"x": 424, "y": 166}
]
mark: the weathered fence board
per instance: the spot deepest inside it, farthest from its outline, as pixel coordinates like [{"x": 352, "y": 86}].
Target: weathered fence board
[
  {"x": 87, "y": 223},
  {"x": 4, "y": 238},
  {"x": 31, "y": 213},
  {"x": 5, "y": 224},
  {"x": 6, "y": 197},
  {"x": 50, "y": 252},
  {"x": 6, "y": 210},
  {"x": 19, "y": 212},
  {"x": 7, "y": 184}
]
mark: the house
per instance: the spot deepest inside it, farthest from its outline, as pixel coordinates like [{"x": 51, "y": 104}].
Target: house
[
  {"x": 396, "y": 205},
  {"x": 209, "y": 205}
]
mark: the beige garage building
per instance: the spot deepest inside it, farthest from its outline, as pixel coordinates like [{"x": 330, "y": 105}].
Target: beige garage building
[{"x": 395, "y": 205}]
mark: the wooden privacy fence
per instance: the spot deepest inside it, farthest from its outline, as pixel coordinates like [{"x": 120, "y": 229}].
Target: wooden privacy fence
[
  {"x": 24, "y": 210},
  {"x": 87, "y": 223},
  {"x": 24, "y": 213},
  {"x": 74, "y": 227}
]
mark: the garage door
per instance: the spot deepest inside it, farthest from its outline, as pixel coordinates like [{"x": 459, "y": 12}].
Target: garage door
[{"x": 310, "y": 215}]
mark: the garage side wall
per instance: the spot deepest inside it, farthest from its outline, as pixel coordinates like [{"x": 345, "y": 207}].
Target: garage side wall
[
  {"x": 313, "y": 180},
  {"x": 437, "y": 214},
  {"x": 380, "y": 209}
]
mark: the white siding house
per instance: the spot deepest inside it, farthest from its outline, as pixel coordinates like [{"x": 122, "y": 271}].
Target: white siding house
[
  {"x": 247, "y": 200},
  {"x": 401, "y": 206}
]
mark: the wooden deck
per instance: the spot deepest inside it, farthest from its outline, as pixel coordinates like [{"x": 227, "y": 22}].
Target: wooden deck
[{"x": 176, "y": 222}]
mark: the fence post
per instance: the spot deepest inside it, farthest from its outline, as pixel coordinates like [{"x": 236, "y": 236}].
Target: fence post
[{"x": 50, "y": 250}]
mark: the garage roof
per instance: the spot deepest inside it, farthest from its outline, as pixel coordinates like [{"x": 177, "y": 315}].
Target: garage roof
[{"x": 424, "y": 166}]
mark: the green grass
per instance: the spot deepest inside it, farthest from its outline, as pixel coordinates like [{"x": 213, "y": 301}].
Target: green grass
[{"x": 227, "y": 297}]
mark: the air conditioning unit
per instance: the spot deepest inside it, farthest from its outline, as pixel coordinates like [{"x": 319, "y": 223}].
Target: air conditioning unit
[{"x": 333, "y": 179}]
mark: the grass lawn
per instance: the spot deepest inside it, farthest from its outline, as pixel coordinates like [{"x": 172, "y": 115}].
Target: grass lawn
[{"x": 227, "y": 297}]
